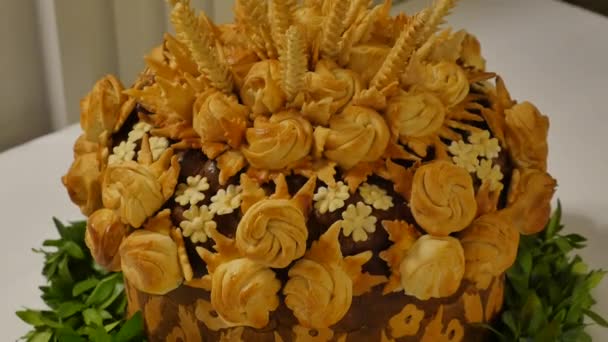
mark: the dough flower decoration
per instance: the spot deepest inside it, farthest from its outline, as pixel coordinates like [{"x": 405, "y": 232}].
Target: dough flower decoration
[
  {"x": 487, "y": 172},
  {"x": 225, "y": 201},
  {"x": 447, "y": 80},
  {"x": 232, "y": 280},
  {"x": 273, "y": 231},
  {"x": 125, "y": 151},
  {"x": 138, "y": 189},
  {"x": 433, "y": 267},
  {"x": 529, "y": 201},
  {"x": 415, "y": 115},
  {"x": 321, "y": 285},
  {"x": 278, "y": 142},
  {"x": 197, "y": 222},
  {"x": 158, "y": 145},
  {"x": 104, "y": 109},
  {"x": 304, "y": 334},
  {"x": 192, "y": 192},
  {"x": 406, "y": 322},
  {"x": 103, "y": 236},
  {"x": 490, "y": 247},
  {"x": 150, "y": 262},
  {"x": 375, "y": 196},
  {"x": 486, "y": 147},
  {"x": 465, "y": 155},
  {"x": 443, "y": 198},
  {"x": 82, "y": 180},
  {"x": 358, "y": 221},
  {"x": 331, "y": 198},
  {"x": 138, "y": 131},
  {"x": 261, "y": 90},
  {"x": 526, "y": 135},
  {"x": 358, "y": 134},
  {"x": 219, "y": 119}
]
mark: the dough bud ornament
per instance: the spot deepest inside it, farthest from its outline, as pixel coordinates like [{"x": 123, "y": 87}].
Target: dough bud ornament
[{"x": 318, "y": 170}]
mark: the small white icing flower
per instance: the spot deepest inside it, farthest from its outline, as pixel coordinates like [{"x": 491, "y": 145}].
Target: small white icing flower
[
  {"x": 485, "y": 146},
  {"x": 464, "y": 155},
  {"x": 331, "y": 198},
  {"x": 490, "y": 174},
  {"x": 192, "y": 192},
  {"x": 225, "y": 201},
  {"x": 358, "y": 222},
  {"x": 158, "y": 145},
  {"x": 198, "y": 221},
  {"x": 139, "y": 130},
  {"x": 123, "y": 152},
  {"x": 375, "y": 196}
]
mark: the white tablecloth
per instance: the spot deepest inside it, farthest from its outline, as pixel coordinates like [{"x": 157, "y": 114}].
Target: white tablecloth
[{"x": 549, "y": 53}]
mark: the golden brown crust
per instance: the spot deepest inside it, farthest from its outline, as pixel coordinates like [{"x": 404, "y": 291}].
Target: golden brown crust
[
  {"x": 530, "y": 200},
  {"x": 103, "y": 237},
  {"x": 358, "y": 134},
  {"x": 526, "y": 135},
  {"x": 244, "y": 292},
  {"x": 149, "y": 261},
  {"x": 443, "y": 198},
  {"x": 219, "y": 118},
  {"x": 272, "y": 232},
  {"x": 433, "y": 267},
  {"x": 261, "y": 90},
  {"x": 277, "y": 142},
  {"x": 83, "y": 183},
  {"x": 490, "y": 247}
]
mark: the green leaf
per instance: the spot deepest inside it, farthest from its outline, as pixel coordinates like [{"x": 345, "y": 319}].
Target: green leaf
[
  {"x": 31, "y": 317},
  {"x": 554, "y": 223},
  {"x": 132, "y": 330},
  {"x": 84, "y": 286},
  {"x": 41, "y": 336},
  {"x": 118, "y": 291},
  {"x": 533, "y": 315},
  {"x": 68, "y": 309},
  {"x": 596, "y": 318},
  {"x": 72, "y": 249},
  {"x": 92, "y": 316},
  {"x": 109, "y": 327},
  {"x": 509, "y": 320},
  {"x": 98, "y": 334},
  {"x": 103, "y": 290}
]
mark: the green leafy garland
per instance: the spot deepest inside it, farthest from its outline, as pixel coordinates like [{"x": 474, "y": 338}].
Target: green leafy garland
[
  {"x": 86, "y": 302},
  {"x": 547, "y": 293}
]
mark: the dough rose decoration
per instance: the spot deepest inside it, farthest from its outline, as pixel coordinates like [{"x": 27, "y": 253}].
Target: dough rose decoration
[
  {"x": 443, "y": 198},
  {"x": 490, "y": 247},
  {"x": 526, "y": 134},
  {"x": 273, "y": 231},
  {"x": 277, "y": 142},
  {"x": 321, "y": 285}
]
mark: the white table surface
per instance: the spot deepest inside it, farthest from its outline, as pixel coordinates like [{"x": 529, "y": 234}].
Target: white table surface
[{"x": 549, "y": 53}]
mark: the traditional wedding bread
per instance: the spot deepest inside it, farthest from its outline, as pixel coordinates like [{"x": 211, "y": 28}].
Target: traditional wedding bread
[{"x": 317, "y": 171}]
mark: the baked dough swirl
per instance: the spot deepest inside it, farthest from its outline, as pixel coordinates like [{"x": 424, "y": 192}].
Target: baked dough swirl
[
  {"x": 244, "y": 292},
  {"x": 319, "y": 294},
  {"x": 490, "y": 247},
  {"x": 220, "y": 118},
  {"x": 443, "y": 198},
  {"x": 150, "y": 263},
  {"x": 261, "y": 90},
  {"x": 415, "y": 114},
  {"x": 134, "y": 190},
  {"x": 433, "y": 267},
  {"x": 277, "y": 142},
  {"x": 358, "y": 134},
  {"x": 526, "y": 135},
  {"x": 103, "y": 236},
  {"x": 448, "y": 81},
  {"x": 273, "y": 232}
]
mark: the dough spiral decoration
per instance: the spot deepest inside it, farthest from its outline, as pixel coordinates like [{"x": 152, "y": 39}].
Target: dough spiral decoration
[
  {"x": 358, "y": 134},
  {"x": 244, "y": 292},
  {"x": 277, "y": 142},
  {"x": 443, "y": 198},
  {"x": 273, "y": 232}
]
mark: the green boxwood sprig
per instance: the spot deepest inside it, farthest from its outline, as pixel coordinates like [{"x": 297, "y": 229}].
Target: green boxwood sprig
[
  {"x": 548, "y": 290},
  {"x": 85, "y": 302}
]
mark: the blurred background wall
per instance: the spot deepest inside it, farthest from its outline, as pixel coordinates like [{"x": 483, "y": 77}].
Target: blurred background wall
[{"x": 54, "y": 50}]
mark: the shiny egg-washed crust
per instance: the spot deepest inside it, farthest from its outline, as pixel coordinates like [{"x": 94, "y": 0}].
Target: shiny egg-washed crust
[{"x": 314, "y": 172}]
